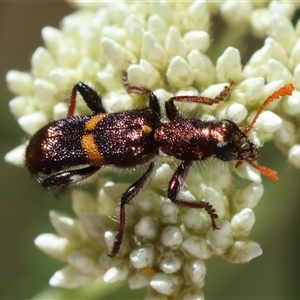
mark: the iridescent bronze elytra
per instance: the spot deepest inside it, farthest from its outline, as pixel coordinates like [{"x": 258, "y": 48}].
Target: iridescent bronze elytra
[{"x": 69, "y": 150}]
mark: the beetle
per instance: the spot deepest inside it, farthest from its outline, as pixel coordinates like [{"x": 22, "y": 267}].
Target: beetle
[{"x": 67, "y": 151}]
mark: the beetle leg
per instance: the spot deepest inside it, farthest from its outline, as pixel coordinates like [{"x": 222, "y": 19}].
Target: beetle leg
[
  {"x": 68, "y": 177},
  {"x": 174, "y": 188},
  {"x": 91, "y": 98},
  {"x": 153, "y": 101},
  {"x": 125, "y": 199},
  {"x": 172, "y": 111}
]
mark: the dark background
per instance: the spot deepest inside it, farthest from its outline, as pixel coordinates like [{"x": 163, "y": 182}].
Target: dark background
[{"x": 24, "y": 206}]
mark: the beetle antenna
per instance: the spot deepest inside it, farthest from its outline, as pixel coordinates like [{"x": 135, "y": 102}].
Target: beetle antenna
[{"x": 284, "y": 91}]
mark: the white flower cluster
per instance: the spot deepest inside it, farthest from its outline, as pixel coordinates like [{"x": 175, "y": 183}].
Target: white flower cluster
[
  {"x": 164, "y": 46},
  {"x": 164, "y": 246}
]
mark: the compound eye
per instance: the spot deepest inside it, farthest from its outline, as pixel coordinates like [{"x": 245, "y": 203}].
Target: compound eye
[{"x": 225, "y": 151}]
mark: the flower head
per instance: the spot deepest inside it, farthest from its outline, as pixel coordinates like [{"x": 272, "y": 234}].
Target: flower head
[{"x": 166, "y": 47}]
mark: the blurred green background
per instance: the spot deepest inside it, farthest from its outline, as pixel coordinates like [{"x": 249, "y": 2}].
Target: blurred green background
[{"x": 24, "y": 206}]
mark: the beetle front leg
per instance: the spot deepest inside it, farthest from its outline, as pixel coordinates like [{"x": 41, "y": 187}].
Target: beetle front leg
[
  {"x": 125, "y": 199},
  {"x": 174, "y": 114},
  {"x": 175, "y": 186},
  {"x": 91, "y": 98}
]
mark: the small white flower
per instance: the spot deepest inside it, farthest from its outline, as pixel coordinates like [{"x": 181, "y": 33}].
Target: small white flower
[
  {"x": 117, "y": 272},
  {"x": 166, "y": 284},
  {"x": 166, "y": 47},
  {"x": 248, "y": 196},
  {"x": 70, "y": 277},
  {"x": 171, "y": 237},
  {"x": 242, "y": 223},
  {"x": 30, "y": 123},
  {"x": 236, "y": 13},
  {"x": 229, "y": 65},
  {"x": 294, "y": 155},
  {"x": 56, "y": 246},
  {"x": 170, "y": 263},
  {"x": 146, "y": 229},
  {"x": 143, "y": 257},
  {"x": 197, "y": 247},
  {"x": 243, "y": 251},
  {"x": 16, "y": 156}
]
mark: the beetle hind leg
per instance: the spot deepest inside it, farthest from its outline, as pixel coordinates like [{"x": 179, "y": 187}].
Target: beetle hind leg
[
  {"x": 68, "y": 177},
  {"x": 129, "y": 194}
]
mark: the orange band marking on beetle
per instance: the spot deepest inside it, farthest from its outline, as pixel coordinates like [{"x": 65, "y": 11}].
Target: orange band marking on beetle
[
  {"x": 146, "y": 129},
  {"x": 91, "y": 149},
  {"x": 92, "y": 123}
]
